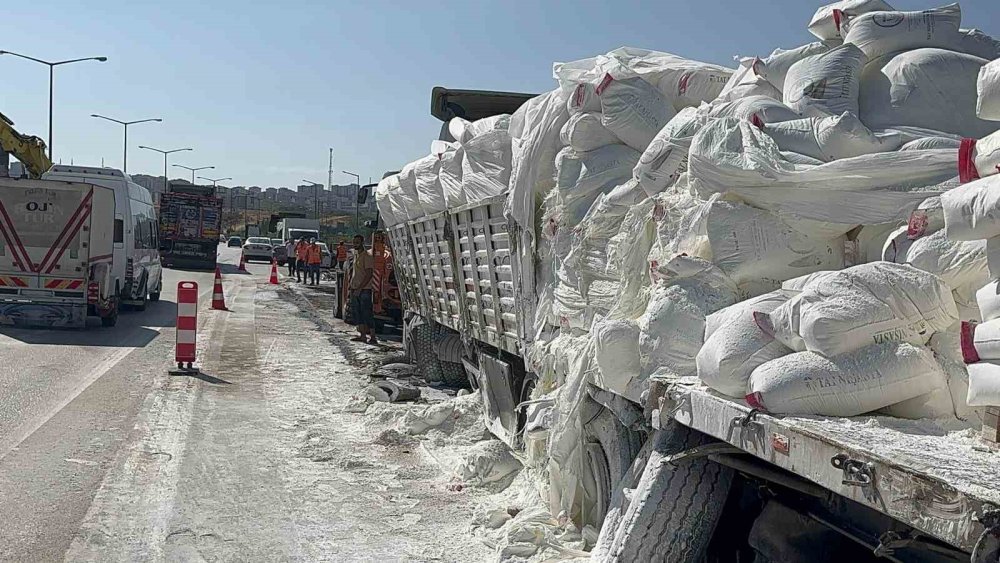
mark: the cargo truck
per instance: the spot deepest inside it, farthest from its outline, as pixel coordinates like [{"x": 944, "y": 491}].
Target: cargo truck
[
  {"x": 190, "y": 226},
  {"x": 896, "y": 491}
]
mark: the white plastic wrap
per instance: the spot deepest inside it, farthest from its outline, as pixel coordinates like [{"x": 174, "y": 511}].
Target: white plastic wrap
[
  {"x": 487, "y": 165},
  {"x": 984, "y": 384},
  {"x": 407, "y": 196},
  {"x": 988, "y": 299},
  {"x": 826, "y": 25},
  {"x": 735, "y": 345},
  {"x": 972, "y": 211},
  {"x": 825, "y": 84},
  {"x": 988, "y": 91},
  {"x": 382, "y": 202},
  {"x": 585, "y": 132},
  {"x": 450, "y": 177},
  {"x": 428, "y": 184},
  {"x": 829, "y": 138},
  {"x": 737, "y": 157},
  {"x": 633, "y": 110},
  {"x": 748, "y": 80},
  {"x": 929, "y": 88},
  {"x": 864, "y": 305},
  {"x": 847, "y": 384},
  {"x": 881, "y": 33}
]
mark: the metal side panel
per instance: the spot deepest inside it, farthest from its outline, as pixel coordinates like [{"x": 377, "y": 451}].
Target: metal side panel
[
  {"x": 934, "y": 489},
  {"x": 499, "y": 401},
  {"x": 405, "y": 268}
]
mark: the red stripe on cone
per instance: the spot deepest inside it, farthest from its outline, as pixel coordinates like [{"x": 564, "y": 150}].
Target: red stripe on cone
[
  {"x": 274, "y": 273},
  {"x": 218, "y": 299},
  {"x": 243, "y": 262}
]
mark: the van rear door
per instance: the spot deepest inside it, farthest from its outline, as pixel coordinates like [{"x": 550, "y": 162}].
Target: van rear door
[{"x": 44, "y": 236}]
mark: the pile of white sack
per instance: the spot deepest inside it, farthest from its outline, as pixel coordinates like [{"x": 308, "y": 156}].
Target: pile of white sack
[{"x": 810, "y": 231}]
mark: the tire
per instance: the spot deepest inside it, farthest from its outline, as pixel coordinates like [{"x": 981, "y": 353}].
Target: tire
[
  {"x": 612, "y": 448},
  {"x": 111, "y": 319},
  {"x": 674, "y": 509}
]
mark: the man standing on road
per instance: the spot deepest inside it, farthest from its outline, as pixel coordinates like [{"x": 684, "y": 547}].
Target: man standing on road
[
  {"x": 314, "y": 257},
  {"x": 301, "y": 249},
  {"x": 361, "y": 292},
  {"x": 290, "y": 256},
  {"x": 341, "y": 255}
]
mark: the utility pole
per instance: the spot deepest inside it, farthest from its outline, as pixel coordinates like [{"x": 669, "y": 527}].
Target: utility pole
[{"x": 329, "y": 174}]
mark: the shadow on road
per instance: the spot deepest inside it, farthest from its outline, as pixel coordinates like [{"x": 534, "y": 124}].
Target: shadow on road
[
  {"x": 204, "y": 377},
  {"x": 132, "y": 337}
]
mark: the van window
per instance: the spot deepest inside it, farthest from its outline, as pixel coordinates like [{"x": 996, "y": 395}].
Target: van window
[{"x": 119, "y": 230}]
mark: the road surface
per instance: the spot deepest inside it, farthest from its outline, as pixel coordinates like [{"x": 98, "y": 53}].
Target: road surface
[{"x": 103, "y": 456}]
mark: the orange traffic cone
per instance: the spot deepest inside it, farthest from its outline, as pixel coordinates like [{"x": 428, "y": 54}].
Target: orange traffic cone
[
  {"x": 243, "y": 262},
  {"x": 218, "y": 299},
  {"x": 274, "y": 273}
]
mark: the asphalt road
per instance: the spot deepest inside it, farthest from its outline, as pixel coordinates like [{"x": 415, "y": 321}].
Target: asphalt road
[{"x": 68, "y": 400}]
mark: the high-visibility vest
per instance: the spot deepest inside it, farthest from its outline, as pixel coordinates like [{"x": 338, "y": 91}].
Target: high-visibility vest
[
  {"x": 301, "y": 249},
  {"x": 314, "y": 254},
  {"x": 341, "y": 253}
]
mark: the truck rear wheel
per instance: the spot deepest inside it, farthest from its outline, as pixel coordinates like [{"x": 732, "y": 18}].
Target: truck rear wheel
[
  {"x": 609, "y": 452},
  {"x": 110, "y": 318},
  {"x": 154, "y": 296},
  {"x": 674, "y": 508}
]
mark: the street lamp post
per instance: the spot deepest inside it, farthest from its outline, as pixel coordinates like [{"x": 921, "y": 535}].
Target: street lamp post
[
  {"x": 315, "y": 197},
  {"x": 52, "y": 66},
  {"x": 214, "y": 180},
  {"x": 125, "y": 142},
  {"x": 193, "y": 170},
  {"x": 166, "y": 183},
  {"x": 357, "y": 220}
]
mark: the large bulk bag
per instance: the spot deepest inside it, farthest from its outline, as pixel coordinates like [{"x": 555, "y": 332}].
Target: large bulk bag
[
  {"x": 382, "y": 202},
  {"x": 979, "y": 157},
  {"x": 755, "y": 248},
  {"x": 825, "y": 84},
  {"x": 776, "y": 65},
  {"x": 487, "y": 164},
  {"x": 426, "y": 171},
  {"x": 881, "y": 33},
  {"x": 585, "y": 132},
  {"x": 988, "y": 91},
  {"x": 829, "y": 138},
  {"x": 826, "y": 23},
  {"x": 929, "y": 88},
  {"x": 408, "y": 198},
  {"x": 735, "y": 345},
  {"x": 972, "y": 211},
  {"x": 847, "y": 384},
  {"x": 633, "y": 109},
  {"x": 450, "y": 176},
  {"x": 863, "y": 305}
]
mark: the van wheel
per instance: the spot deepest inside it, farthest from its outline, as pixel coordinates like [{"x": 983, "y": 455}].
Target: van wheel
[
  {"x": 674, "y": 509},
  {"x": 111, "y": 317}
]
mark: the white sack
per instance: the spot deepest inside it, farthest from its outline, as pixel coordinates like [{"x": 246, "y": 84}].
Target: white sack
[
  {"x": 382, "y": 201},
  {"x": 986, "y": 340},
  {"x": 960, "y": 264},
  {"x": 534, "y": 132},
  {"x": 755, "y": 248},
  {"x": 825, "y": 84},
  {"x": 584, "y": 132},
  {"x": 988, "y": 299},
  {"x": 993, "y": 257},
  {"x": 864, "y": 305},
  {"x": 633, "y": 110},
  {"x": 737, "y": 157},
  {"x": 847, "y": 384},
  {"x": 928, "y": 143},
  {"x": 665, "y": 159},
  {"x": 759, "y": 109},
  {"x": 928, "y": 88},
  {"x": 988, "y": 91},
  {"x": 568, "y": 168},
  {"x": 583, "y": 99},
  {"x": 735, "y": 345},
  {"x": 407, "y": 196},
  {"x": 748, "y": 81},
  {"x": 828, "y": 138},
  {"x": 984, "y": 384},
  {"x": 616, "y": 349},
  {"x": 487, "y": 164},
  {"x": 881, "y": 33},
  {"x": 825, "y": 24},
  {"x": 428, "y": 184},
  {"x": 450, "y": 177},
  {"x": 972, "y": 211},
  {"x": 979, "y": 157},
  {"x": 936, "y": 404},
  {"x": 672, "y": 327},
  {"x": 776, "y": 65},
  {"x": 603, "y": 169}
]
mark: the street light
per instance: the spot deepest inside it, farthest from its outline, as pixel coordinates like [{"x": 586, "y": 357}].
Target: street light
[
  {"x": 357, "y": 220},
  {"x": 193, "y": 170},
  {"x": 166, "y": 183},
  {"x": 125, "y": 142},
  {"x": 315, "y": 197},
  {"x": 52, "y": 66},
  {"x": 214, "y": 180}
]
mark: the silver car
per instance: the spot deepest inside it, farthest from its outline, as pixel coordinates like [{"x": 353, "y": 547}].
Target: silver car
[{"x": 258, "y": 248}]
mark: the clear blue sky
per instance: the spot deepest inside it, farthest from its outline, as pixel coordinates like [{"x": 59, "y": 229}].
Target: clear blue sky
[{"x": 262, "y": 89}]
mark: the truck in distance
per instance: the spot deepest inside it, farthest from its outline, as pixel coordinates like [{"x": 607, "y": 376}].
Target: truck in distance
[{"x": 190, "y": 223}]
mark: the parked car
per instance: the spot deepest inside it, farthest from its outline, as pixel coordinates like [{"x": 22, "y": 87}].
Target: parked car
[
  {"x": 279, "y": 253},
  {"x": 235, "y": 241},
  {"x": 327, "y": 260},
  {"x": 257, "y": 248}
]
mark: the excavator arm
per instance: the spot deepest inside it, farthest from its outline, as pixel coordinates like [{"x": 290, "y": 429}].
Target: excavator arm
[{"x": 29, "y": 150}]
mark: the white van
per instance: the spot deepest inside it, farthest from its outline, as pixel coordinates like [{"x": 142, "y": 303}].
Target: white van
[{"x": 82, "y": 240}]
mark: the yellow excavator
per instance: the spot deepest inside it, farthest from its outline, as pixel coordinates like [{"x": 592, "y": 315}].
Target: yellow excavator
[{"x": 28, "y": 149}]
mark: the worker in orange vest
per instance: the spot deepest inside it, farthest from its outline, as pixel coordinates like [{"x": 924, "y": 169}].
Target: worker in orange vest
[
  {"x": 341, "y": 255},
  {"x": 314, "y": 257},
  {"x": 301, "y": 249}
]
